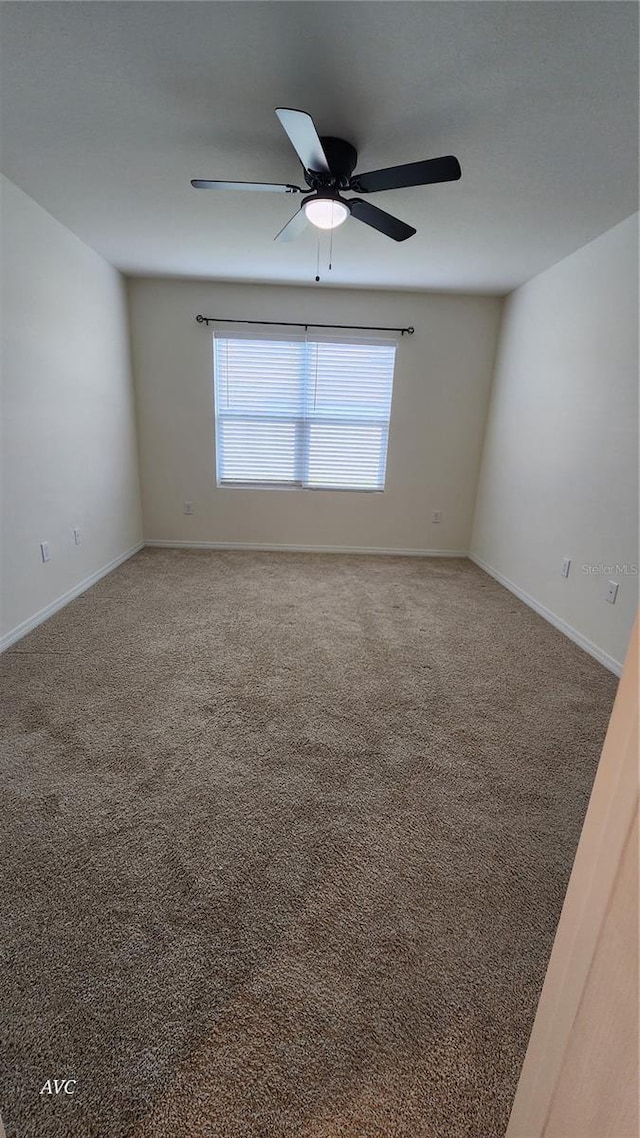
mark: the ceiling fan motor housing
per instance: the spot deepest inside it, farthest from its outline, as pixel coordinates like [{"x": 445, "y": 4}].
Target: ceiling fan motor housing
[{"x": 341, "y": 157}]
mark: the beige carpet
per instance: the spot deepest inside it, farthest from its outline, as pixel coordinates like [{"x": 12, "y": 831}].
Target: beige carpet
[{"x": 286, "y": 840}]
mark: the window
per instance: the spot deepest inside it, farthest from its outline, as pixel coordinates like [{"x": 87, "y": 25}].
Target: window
[{"x": 310, "y": 413}]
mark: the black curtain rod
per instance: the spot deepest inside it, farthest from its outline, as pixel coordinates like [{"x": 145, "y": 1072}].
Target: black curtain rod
[{"x": 290, "y": 324}]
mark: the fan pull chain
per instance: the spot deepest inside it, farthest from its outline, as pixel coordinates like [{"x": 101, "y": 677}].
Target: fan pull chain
[
  {"x": 330, "y": 248},
  {"x": 318, "y": 259}
]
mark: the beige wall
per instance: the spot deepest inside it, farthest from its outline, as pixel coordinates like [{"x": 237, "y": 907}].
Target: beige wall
[
  {"x": 68, "y": 446},
  {"x": 559, "y": 474},
  {"x": 441, "y": 390}
]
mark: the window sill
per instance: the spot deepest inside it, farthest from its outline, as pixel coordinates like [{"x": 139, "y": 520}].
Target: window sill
[{"x": 303, "y": 489}]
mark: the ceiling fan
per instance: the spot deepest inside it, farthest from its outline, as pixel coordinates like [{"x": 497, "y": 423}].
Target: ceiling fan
[{"x": 328, "y": 164}]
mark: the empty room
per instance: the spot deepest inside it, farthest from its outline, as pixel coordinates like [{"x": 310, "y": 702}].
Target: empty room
[{"x": 318, "y": 714}]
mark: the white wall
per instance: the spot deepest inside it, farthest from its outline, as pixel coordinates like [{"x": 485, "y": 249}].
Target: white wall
[
  {"x": 559, "y": 474},
  {"x": 68, "y": 448},
  {"x": 441, "y": 390}
]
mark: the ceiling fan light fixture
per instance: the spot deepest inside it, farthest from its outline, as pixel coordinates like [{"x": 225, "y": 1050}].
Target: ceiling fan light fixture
[{"x": 326, "y": 213}]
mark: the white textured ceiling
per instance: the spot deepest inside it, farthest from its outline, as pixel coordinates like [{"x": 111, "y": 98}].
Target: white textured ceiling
[{"x": 110, "y": 108}]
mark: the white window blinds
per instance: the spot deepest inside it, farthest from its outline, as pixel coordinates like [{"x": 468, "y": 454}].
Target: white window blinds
[{"x": 311, "y": 413}]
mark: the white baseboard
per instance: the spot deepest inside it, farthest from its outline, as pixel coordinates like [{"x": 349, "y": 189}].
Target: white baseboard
[
  {"x": 569, "y": 631},
  {"x": 33, "y": 621},
  {"x": 26, "y": 626},
  {"x": 270, "y": 548}
]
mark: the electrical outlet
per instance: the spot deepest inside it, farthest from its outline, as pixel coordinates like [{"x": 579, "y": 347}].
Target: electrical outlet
[
  {"x": 45, "y": 551},
  {"x": 566, "y": 565},
  {"x": 76, "y": 535},
  {"x": 436, "y": 517},
  {"x": 612, "y": 592},
  {"x": 188, "y": 507}
]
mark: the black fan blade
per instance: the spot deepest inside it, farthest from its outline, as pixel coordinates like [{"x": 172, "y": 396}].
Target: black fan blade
[
  {"x": 378, "y": 219},
  {"x": 272, "y": 187},
  {"x": 293, "y": 228},
  {"x": 303, "y": 136},
  {"x": 411, "y": 174}
]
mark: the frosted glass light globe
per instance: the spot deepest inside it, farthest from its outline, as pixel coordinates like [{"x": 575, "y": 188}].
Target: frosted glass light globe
[{"x": 326, "y": 213}]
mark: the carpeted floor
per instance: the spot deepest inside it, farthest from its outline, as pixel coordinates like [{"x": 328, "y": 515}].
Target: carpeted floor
[{"x": 286, "y": 840}]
